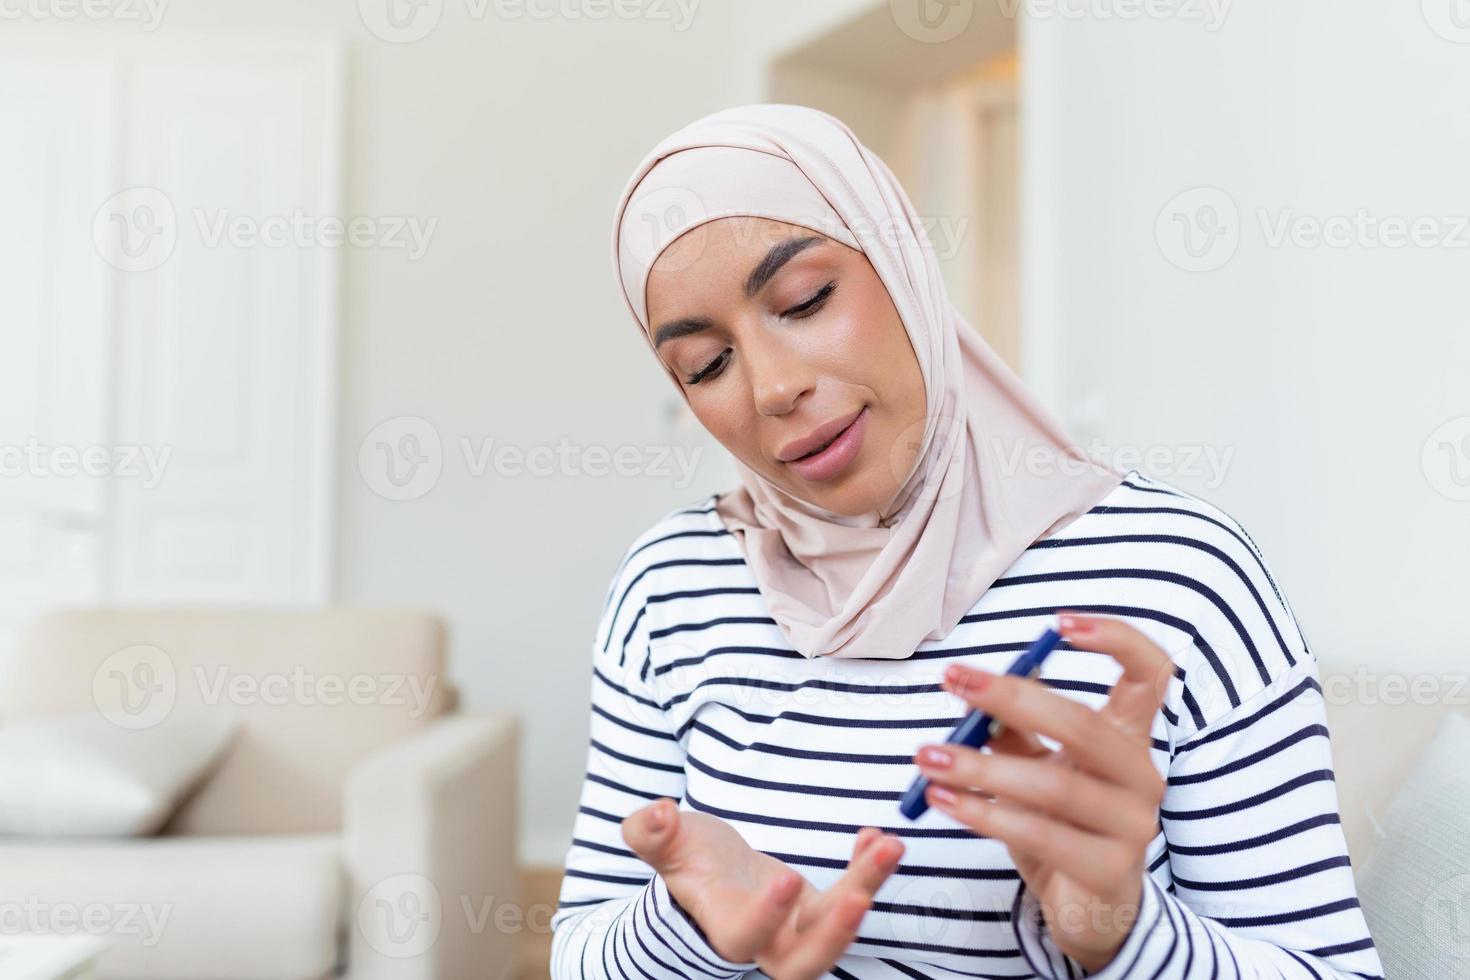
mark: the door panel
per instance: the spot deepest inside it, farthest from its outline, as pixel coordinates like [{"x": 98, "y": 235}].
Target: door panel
[{"x": 191, "y": 367}]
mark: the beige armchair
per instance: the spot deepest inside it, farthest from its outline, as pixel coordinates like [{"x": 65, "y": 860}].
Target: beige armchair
[{"x": 359, "y": 825}]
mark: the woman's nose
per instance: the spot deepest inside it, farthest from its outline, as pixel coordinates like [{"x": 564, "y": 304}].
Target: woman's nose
[{"x": 778, "y": 375}]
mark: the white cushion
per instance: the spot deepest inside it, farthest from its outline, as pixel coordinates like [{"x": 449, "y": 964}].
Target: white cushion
[
  {"x": 30, "y": 957},
  {"x": 1416, "y": 886},
  {"x": 284, "y": 774},
  {"x": 184, "y": 908},
  {"x": 83, "y": 776}
]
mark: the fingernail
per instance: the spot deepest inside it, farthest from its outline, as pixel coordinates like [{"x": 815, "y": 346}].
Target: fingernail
[
  {"x": 966, "y": 678},
  {"x": 941, "y": 795},
  {"x": 656, "y": 821},
  {"x": 1074, "y": 624},
  {"x": 934, "y": 756}
]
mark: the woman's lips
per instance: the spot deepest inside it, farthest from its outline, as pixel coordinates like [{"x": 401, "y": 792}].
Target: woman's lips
[{"x": 838, "y": 455}]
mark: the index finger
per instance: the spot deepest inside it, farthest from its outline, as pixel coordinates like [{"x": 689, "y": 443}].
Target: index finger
[
  {"x": 1091, "y": 739},
  {"x": 1147, "y": 669}
]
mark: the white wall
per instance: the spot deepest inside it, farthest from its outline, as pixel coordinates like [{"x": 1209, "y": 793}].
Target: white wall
[
  {"x": 1324, "y": 370},
  {"x": 516, "y": 133}
]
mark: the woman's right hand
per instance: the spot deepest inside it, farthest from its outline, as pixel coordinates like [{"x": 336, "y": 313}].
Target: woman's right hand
[{"x": 751, "y": 906}]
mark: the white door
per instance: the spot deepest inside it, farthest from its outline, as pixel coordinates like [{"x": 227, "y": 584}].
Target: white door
[
  {"x": 164, "y": 318},
  {"x": 56, "y": 121}
]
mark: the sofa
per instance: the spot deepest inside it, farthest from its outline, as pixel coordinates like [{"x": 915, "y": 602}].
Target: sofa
[
  {"x": 360, "y": 824},
  {"x": 1379, "y": 728}
]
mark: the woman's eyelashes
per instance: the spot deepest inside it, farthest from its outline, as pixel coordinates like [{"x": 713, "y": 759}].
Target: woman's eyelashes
[
  {"x": 802, "y": 310},
  {"x": 711, "y": 368},
  {"x": 812, "y": 303}
]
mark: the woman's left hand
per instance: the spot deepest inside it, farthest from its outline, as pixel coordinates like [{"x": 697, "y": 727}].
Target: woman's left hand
[{"x": 1077, "y": 821}]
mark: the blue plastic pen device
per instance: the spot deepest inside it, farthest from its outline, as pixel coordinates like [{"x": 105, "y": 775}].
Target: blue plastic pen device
[{"x": 977, "y": 727}]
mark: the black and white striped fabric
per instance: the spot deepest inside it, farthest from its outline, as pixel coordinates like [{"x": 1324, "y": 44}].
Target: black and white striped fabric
[{"x": 696, "y": 697}]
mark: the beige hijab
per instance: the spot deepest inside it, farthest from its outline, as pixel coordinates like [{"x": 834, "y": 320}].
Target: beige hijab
[{"x": 994, "y": 472}]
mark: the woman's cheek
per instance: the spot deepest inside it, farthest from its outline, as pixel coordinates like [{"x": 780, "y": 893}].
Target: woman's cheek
[
  {"x": 729, "y": 418},
  {"x": 825, "y": 343}
]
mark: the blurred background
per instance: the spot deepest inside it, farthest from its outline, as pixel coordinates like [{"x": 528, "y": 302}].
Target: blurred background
[{"x": 311, "y": 341}]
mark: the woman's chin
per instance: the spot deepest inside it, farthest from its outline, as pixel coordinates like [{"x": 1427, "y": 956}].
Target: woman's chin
[{"x": 854, "y": 493}]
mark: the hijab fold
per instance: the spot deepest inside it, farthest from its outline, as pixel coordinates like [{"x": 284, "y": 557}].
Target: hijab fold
[{"x": 994, "y": 472}]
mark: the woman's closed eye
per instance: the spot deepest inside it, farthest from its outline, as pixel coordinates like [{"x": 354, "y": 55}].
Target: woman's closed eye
[
  {"x": 812, "y": 303},
  {"x": 710, "y": 369},
  {"x": 800, "y": 311}
]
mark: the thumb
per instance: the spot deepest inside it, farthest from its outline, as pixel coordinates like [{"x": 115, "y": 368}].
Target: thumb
[{"x": 650, "y": 832}]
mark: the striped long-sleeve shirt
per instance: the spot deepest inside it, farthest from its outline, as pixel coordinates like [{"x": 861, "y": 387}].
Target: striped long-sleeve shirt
[{"x": 696, "y": 696}]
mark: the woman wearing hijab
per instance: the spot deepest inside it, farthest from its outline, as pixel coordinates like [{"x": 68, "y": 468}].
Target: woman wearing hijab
[{"x": 773, "y": 662}]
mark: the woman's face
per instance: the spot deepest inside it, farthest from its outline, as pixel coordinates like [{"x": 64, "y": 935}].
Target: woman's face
[{"x": 782, "y": 339}]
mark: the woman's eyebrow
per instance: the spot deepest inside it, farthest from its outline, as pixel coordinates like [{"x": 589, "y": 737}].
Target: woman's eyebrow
[
  {"x": 680, "y": 328},
  {"x": 779, "y": 255}
]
